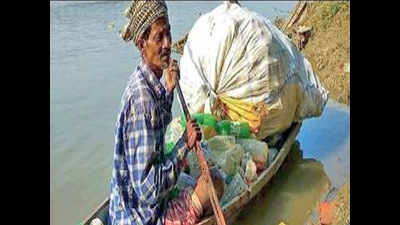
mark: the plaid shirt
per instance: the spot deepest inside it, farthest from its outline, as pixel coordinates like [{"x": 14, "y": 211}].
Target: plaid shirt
[{"x": 142, "y": 176}]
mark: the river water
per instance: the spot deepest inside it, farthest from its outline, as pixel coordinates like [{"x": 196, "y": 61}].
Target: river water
[
  {"x": 296, "y": 190},
  {"x": 90, "y": 65}
]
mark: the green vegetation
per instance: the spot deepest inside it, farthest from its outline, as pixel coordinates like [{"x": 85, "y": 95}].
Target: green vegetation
[{"x": 330, "y": 11}]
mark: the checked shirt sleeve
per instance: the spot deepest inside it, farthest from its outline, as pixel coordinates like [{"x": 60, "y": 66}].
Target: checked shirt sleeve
[{"x": 150, "y": 177}]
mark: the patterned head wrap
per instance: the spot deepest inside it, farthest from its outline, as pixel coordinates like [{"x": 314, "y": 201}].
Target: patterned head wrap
[{"x": 141, "y": 14}]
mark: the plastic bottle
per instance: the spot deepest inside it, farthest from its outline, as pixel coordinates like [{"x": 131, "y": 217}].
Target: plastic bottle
[
  {"x": 238, "y": 129},
  {"x": 209, "y": 120},
  {"x": 257, "y": 149},
  {"x": 195, "y": 169},
  {"x": 234, "y": 188},
  {"x": 224, "y": 127},
  {"x": 201, "y": 119}
]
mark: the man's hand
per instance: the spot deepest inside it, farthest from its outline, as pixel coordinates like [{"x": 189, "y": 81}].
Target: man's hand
[
  {"x": 193, "y": 134},
  {"x": 172, "y": 74}
]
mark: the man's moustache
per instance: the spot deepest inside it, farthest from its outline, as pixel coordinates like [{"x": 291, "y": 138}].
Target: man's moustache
[{"x": 165, "y": 54}]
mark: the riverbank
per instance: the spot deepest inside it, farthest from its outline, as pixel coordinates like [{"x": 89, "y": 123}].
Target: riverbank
[
  {"x": 321, "y": 31},
  {"x": 324, "y": 29}
]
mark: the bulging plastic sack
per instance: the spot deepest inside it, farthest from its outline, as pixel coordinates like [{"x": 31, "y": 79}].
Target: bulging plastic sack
[{"x": 251, "y": 68}]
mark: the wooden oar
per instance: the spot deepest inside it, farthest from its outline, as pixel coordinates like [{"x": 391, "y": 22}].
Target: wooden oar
[{"x": 204, "y": 167}]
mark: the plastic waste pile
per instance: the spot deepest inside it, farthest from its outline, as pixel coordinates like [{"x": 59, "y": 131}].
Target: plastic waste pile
[
  {"x": 249, "y": 71},
  {"x": 229, "y": 146}
]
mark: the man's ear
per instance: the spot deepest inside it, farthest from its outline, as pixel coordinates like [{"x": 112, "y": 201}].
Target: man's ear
[{"x": 141, "y": 44}]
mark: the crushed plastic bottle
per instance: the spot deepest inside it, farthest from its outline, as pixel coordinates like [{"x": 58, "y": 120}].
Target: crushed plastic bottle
[
  {"x": 249, "y": 168},
  {"x": 258, "y": 150},
  {"x": 233, "y": 189},
  {"x": 230, "y": 160},
  {"x": 219, "y": 144},
  {"x": 251, "y": 171},
  {"x": 195, "y": 169}
]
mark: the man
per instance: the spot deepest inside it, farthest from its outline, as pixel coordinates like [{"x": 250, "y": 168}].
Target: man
[{"x": 142, "y": 176}]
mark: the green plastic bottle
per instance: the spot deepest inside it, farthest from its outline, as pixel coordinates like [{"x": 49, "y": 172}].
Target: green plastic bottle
[
  {"x": 198, "y": 116},
  {"x": 209, "y": 120},
  {"x": 224, "y": 127},
  {"x": 240, "y": 129},
  {"x": 201, "y": 119}
]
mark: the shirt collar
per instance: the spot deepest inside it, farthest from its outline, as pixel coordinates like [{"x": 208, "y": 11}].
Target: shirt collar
[{"x": 152, "y": 80}]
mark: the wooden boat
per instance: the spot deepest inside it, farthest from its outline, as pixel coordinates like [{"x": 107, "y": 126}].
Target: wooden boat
[{"x": 231, "y": 209}]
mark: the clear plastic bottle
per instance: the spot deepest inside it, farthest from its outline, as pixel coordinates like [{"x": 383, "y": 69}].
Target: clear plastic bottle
[
  {"x": 259, "y": 150},
  {"x": 195, "y": 169},
  {"x": 234, "y": 188}
]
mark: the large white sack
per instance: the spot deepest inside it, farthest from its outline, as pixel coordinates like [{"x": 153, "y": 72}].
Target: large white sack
[{"x": 234, "y": 52}]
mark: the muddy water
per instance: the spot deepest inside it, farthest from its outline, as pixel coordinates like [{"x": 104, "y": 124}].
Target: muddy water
[{"x": 297, "y": 187}]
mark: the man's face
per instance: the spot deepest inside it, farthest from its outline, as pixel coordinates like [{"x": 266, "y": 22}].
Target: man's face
[{"x": 157, "y": 48}]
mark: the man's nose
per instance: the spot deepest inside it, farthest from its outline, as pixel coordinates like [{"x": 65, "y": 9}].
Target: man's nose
[{"x": 166, "y": 43}]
